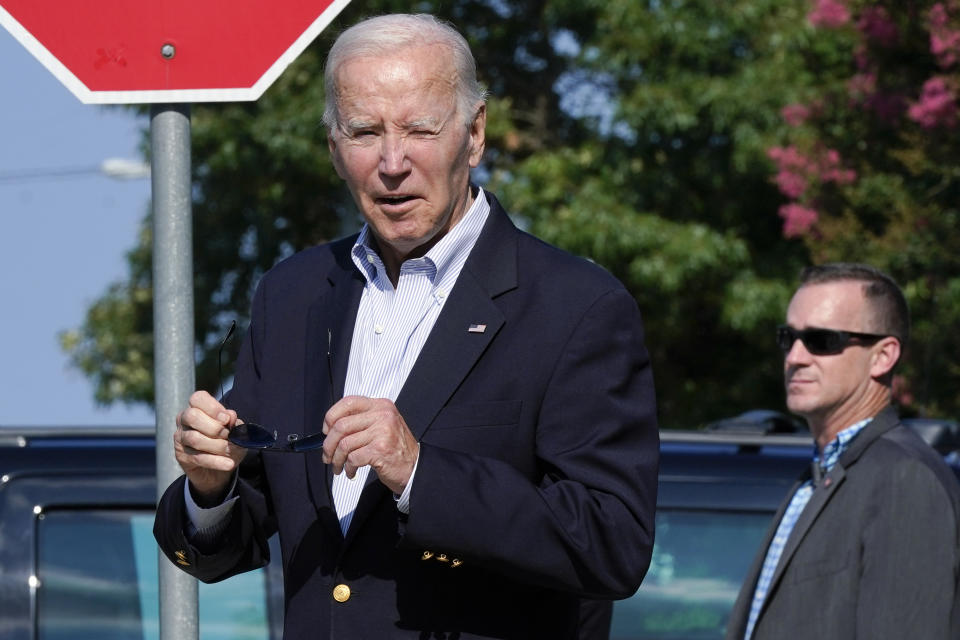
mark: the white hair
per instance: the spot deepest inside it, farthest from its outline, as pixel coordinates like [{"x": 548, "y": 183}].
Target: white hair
[{"x": 384, "y": 35}]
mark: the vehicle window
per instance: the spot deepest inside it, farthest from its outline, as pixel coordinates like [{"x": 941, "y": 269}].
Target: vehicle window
[
  {"x": 97, "y": 575},
  {"x": 699, "y": 561}
]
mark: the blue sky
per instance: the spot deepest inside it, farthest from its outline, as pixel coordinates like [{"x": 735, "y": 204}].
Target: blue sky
[{"x": 62, "y": 238}]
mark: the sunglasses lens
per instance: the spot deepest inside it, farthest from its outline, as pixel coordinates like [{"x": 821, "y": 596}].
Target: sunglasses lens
[
  {"x": 785, "y": 338},
  {"x": 308, "y": 443},
  {"x": 251, "y": 436},
  {"x": 821, "y": 342}
]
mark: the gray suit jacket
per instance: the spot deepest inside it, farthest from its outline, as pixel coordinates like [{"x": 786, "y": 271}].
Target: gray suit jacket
[{"x": 875, "y": 553}]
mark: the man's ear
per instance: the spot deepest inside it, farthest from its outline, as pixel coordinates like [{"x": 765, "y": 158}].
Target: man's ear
[
  {"x": 886, "y": 354},
  {"x": 478, "y": 133},
  {"x": 334, "y": 156}
]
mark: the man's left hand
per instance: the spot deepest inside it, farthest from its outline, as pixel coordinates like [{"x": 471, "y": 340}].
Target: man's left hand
[{"x": 370, "y": 431}]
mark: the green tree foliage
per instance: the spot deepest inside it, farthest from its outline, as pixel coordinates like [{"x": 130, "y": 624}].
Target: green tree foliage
[
  {"x": 633, "y": 132},
  {"x": 669, "y": 187}
]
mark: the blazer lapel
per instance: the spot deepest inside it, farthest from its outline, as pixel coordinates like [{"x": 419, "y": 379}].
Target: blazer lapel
[
  {"x": 449, "y": 354},
  {"x": 453, "y": 349},
  {"x": 821, "y": 496},
  {"x": 330, "y": 321}
]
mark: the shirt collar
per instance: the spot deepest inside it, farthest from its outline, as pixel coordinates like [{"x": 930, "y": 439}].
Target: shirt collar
[
  {"x": 836, "y": 447},
  {"x": 452, "y": 248}
]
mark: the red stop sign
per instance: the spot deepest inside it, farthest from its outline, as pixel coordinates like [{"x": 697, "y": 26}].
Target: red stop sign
[{"x": 135, "y": 51}]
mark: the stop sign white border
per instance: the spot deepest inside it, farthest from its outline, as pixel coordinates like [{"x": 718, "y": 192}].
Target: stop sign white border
[{"x": 77, "y": 88}]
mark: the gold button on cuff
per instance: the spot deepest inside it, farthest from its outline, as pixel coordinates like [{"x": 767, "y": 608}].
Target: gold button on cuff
[
  {"x": 426, "y": 555},
  {"x": 442, "y": 557},
  {"x": 456, "y": 562},
  {"x": 341, "y": 593},
  {"x": 181, "y": 558}
]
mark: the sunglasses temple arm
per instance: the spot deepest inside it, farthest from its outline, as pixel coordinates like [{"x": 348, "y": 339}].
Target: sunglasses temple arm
[
  {"x": 330, "y": 363},
  {"x": 233, "y": 325}
]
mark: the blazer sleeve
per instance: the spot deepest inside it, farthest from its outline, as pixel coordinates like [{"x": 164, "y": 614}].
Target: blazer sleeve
[
  {"x": 244, "y": 545},
  {"x": 586, "y": 526}
]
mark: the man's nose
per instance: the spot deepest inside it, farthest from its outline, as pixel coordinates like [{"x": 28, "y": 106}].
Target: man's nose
[
  {"x": 797, "y": 354},
  {"x": 393, "y": 155}
]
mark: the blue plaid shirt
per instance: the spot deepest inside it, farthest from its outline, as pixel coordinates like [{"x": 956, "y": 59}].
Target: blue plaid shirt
[{"x": 831, "y": 453}]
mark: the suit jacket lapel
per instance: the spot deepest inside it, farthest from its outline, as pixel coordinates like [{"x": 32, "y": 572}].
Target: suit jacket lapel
[
  {"x": 330, "y": 321},
  {"x": 449, "y": 354},
  {"x": 452, "y": 350},
  {"x": 821, "y": 496},
  {"x": 446, "y": 358}
]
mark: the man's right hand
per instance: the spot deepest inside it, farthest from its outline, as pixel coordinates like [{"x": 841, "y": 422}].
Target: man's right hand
[{"x": 202, "y": 449}]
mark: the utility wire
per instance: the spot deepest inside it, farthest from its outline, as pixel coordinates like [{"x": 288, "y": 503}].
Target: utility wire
[
  {"x": 117, "y": 168},
  {"x": 24, "y": 175}
]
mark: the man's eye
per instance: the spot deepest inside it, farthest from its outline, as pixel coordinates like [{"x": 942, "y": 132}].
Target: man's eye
[{"x": 361, "y": 133}]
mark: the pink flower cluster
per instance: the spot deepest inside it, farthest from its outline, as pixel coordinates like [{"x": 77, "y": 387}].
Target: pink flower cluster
[
  {"x": 876, "y": 25},
  {"x": 793, "y": 169},
  {"x": 944, "y": 41},
  {"x": 862, "y": 88},
  {"x": 831, "y": 171},
  {"x": 797, "y": 219},
  {"x": 877, "y": 86},
  {"x": 830, "y": 14},
  {"x": 937, "y": 106},
  {"x": 888, "y": 106},
  {"x": 795, "y": 114},
  {"x": 796, "y": 172}
]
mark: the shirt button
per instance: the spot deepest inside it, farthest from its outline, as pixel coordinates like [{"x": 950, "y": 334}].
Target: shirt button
[
  {"x": 441, "y": 294},
  {"x": 378, "y": 329},
  {"x": 371, "y": 259},
  {"x": 341, "y": 593}
]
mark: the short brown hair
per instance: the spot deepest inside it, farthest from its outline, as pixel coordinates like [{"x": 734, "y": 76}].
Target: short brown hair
[{"x": 891, "y": 316}]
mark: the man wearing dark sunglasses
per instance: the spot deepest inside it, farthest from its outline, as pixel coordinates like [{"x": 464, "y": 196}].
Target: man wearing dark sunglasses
[
  {"x": 456, "y": 426},
  {"x": 867, "y": 543}
]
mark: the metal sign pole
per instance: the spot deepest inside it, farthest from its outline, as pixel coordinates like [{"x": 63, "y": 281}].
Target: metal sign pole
[{"x": 172, "y": 332}]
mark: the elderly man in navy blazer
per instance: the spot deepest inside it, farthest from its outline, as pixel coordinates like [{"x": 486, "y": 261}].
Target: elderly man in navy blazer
[
  {"x": 867, "y": 544},
  {"x": 459, "y": 419}
]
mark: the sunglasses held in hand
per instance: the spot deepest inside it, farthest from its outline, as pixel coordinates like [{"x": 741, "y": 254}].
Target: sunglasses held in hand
[
  {"x": 250, "y": 435},
  {"x": 822, "y": 342}
]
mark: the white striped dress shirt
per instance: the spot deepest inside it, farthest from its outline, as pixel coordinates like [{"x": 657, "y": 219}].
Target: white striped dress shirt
[{"x": 394, "y": 323}]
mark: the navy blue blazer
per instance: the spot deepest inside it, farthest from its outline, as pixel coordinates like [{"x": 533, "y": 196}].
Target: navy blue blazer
[{"x": 536, "y": 482}]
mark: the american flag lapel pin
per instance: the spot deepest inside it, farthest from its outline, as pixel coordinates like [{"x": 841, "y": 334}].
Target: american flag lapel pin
[{"x": 476, "y": 328}]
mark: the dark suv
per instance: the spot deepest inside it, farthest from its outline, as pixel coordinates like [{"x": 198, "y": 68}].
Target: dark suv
[
  {"x": 77, "y": 556},
  {"x": 78, "y": 560},
  {"x": 719, "y": 490}
]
